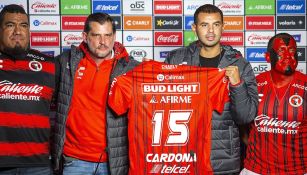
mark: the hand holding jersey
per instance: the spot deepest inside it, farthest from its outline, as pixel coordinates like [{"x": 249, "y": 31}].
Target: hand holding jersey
[
  {"x": 278, "y": 137},
  {"x": 232, "y": 72},
  {"x": 169, "y": 118}
]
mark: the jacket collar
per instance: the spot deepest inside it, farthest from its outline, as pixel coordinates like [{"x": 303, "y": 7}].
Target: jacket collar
[{"x": 230, "y": 55}]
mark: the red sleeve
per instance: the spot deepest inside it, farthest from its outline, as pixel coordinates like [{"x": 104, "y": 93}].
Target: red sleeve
[
  {"x": 119, "y": 97},
  {"x": 219, "y": 90}
]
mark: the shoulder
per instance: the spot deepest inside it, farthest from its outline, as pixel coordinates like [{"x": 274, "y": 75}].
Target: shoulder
[
  {"x": 35, "y": 54},
  {"x": 72, "y": 52},
  {"x": 263, "y": 76},
  {"x": 177, "y": 55},
  {"x": 300, "y": 75},
  {"x": 231, "y": 52}
]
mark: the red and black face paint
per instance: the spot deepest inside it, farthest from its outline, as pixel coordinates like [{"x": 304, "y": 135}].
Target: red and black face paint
[{"x": 283, "y": 55}]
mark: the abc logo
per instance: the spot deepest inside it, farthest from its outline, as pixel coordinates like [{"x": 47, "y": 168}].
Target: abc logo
[
  {"x": 138, "y": 5},
  {"x": 260, "y": 68}
]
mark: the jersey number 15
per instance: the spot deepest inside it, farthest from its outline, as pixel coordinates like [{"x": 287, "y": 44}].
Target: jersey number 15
[{"x": 177, "y": 125}]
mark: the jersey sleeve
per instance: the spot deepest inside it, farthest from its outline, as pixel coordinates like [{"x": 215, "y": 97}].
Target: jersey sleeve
[
  {"x": 119, "y": 97},
  {"x": 218, "y": 88}
]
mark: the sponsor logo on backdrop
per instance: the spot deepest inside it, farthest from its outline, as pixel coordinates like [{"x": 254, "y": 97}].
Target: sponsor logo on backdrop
[
  {"x": 302, "y": 68},
  {"x": 301, "y": 53},
  {"x": 69, "y": 38},
  {"x": 137, "y": 6},
  {"x": 164, "y": 54},
  {"x": 168, "y": 38},
  {"x": 138, "y": 38},
  {"x": 232, "y": 38},
  {"x": 260, "y": 22},
  {"x": 191, "y": 6},
  {"x": 138, "y": 22},
  {"x": 188, "y": 21},
  {"x": 231, "y": 8},
  {"x": 138, "y": 54},
  {"x": 256, "y": 54},
  {"x": 73, "y": 22},
  {"x": 118, "y": 22},
  {"x": 75, "y": 7},
  {"x": 38, "y": 23},
  {"x": 167, "y": 7},
  {"x": 168, "y": 22},
  {"x": 44, "y": 7},
  {"x": 291, "y": 22},
  {"x": 258, "y": 38},
  {"x": 233, "y": 22},
  {"x": 291, "y": 6},
  {"x": 21, "y": 3},
  {"x": 297, "y": 37},
  {"x": 131, "y": 38},
  {"x": 260, "y": 7},
  {"x": 110, "y": 7},
  {"x": 134, "y": 7},
  {"x": 260, "y": 67},
  {"x": 44, "y": 23},
  {"x": 45, "y": 39}
]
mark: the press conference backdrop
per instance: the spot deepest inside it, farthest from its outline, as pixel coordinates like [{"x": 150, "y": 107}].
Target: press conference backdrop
[{"x": 151, "y": 28}]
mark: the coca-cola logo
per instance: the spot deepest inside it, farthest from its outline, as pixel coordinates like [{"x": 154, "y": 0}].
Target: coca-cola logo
[
  {"x": 168, "y": 38},
  {"x": 9, "y": 87},
  {"x": 40, "y": 5},
  {"x": 72, "y": 37},
  {"x": 225, "y": 5}
]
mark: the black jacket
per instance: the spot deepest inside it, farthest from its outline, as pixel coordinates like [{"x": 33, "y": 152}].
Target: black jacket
[
  {"x": 225, "y": 143},
  {"x": 117, "y": 138}
]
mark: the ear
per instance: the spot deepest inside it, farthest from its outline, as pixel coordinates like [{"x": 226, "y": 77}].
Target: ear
[
  {"x": 84, "y": 37},
  {"x": 267, "y": 56},
  {"x": 193, "y": 26}
]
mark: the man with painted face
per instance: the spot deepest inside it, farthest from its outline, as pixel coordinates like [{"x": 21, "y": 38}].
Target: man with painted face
[{"x": 278, "y": 139}]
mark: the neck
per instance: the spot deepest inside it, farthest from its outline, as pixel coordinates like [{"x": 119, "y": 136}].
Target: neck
[
  {"x": 279, "y": 79},
  {"x": 210, "y": 52}
]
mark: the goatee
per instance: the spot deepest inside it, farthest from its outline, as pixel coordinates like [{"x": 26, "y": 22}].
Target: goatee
[{"x": 16, "y": 52}]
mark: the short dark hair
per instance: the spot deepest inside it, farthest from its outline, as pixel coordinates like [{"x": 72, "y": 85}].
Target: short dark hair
[
  {"x": 101, "y": 18},
  {"x": 207, "y": 8},
  {"x": 284, "y": 36},
  {"x": 12, "y": 8}
]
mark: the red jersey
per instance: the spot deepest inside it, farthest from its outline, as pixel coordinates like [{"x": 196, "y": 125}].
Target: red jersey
[
  {"x": 169, "y": 118},
  {"x": 26, "y": 88},
  {"x": 278, "y": 138}
]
